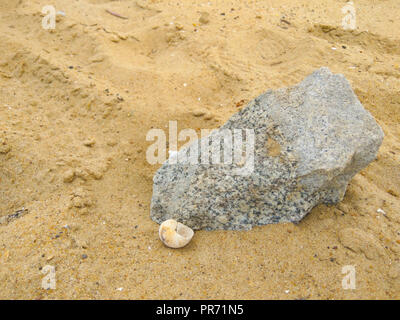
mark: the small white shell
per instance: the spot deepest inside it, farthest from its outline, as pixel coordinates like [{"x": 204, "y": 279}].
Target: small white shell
[{"x": 175, "y": 234}]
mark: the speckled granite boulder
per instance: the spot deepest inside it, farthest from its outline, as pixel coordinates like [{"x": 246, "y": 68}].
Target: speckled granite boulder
[{"x": 310, "y": 140}]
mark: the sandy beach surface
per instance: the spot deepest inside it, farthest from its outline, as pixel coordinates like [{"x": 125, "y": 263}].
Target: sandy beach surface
[{"x": 77, "y": 101}]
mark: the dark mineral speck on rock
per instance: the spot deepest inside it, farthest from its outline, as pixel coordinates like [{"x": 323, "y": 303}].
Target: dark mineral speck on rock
[{"x": 309, "y": 141}]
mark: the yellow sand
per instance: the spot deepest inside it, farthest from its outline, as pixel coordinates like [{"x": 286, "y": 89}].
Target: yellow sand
[{"x": 73, "y": 147}]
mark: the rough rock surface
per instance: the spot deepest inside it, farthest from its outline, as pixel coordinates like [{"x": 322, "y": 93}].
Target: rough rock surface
[{"x": 310, "y": 140}]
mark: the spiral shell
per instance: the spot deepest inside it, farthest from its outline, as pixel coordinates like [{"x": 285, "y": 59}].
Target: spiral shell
[{"x": 175, "y": 234}]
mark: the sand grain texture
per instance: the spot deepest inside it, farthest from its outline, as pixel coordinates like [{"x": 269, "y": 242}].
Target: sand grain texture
[{"x": 76, "y": 104}]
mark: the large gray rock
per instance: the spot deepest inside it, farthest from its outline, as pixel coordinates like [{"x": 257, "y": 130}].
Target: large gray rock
[{"x": 310, "y": 140}]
